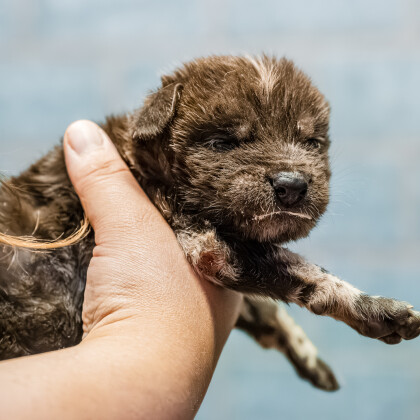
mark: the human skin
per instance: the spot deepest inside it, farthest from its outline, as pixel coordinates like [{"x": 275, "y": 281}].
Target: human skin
[{"x": 153, "y": 331}]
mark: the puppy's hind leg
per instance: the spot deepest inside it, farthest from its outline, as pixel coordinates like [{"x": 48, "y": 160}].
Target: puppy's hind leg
[{"x": 272, "y": 327}]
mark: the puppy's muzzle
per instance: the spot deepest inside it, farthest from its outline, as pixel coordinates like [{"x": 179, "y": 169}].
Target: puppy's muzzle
[{"x": 290, "y": 187}]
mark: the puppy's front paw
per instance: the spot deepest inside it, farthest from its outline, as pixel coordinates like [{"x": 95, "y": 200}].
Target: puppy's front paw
[{"x": 388, "y": 320}]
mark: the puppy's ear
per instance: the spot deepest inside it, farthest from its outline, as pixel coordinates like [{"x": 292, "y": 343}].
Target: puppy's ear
[{"x": 157, "y": 112}]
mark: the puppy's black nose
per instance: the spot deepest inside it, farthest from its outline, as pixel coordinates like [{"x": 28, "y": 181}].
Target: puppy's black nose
[{"x": 290, "y": 187}]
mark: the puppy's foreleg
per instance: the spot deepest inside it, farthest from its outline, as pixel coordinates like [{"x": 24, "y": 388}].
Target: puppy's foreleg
[
  {"x": 272, "y": 327},
  {"x": 273, "y": 271},
  {"x": 292, "y": 279}
]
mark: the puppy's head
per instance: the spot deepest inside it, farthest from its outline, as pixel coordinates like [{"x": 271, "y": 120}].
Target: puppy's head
[{"x": 246, "y": 144}]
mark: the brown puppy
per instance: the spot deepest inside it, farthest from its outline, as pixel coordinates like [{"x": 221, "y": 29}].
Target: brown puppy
[{"x": 233, "y": 151}]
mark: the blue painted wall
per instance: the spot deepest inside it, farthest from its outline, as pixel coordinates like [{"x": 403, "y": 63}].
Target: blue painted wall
[{"x": 61, "y": 60}]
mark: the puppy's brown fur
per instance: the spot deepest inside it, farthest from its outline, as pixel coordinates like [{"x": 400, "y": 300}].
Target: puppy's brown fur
[{"x": 205, "y": 147}]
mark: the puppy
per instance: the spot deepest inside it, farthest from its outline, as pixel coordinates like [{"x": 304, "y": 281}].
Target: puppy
[{"x": 233, "y": 151}]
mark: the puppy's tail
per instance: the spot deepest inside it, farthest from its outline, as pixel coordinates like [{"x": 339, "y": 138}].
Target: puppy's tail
[{"x": 39, "y": 244}]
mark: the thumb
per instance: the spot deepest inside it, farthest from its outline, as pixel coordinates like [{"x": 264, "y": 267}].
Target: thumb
[{"x": 110, "y": 195}]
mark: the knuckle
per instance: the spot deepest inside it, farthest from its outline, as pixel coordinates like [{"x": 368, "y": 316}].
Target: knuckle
[
  {"x": 105, "y": 173},
  {"x": 106, "y": 170}
]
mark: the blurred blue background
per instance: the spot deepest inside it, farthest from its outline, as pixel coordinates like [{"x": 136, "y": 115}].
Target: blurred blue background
[{"x": 61, "y": 60}]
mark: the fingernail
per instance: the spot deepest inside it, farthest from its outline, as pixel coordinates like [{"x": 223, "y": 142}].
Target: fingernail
[{"x": 84, "y": 136}]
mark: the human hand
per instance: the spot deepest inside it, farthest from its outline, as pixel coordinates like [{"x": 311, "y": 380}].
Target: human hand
[{"x": 139, "y": 283}]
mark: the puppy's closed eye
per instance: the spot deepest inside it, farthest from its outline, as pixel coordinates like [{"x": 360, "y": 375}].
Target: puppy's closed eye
[
  {"x": 222, "y": 142},
  {"x": 314, "y": 143}
]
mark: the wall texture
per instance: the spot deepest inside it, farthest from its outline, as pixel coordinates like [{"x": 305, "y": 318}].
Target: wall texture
[{"x": 61, "y": 60}]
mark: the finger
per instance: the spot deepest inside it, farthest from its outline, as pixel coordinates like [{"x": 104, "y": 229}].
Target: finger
[{"x": 110, "y": 195}]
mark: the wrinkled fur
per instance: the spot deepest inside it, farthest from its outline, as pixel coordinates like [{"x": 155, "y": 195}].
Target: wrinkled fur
[{"x": 204, "y": 147}]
